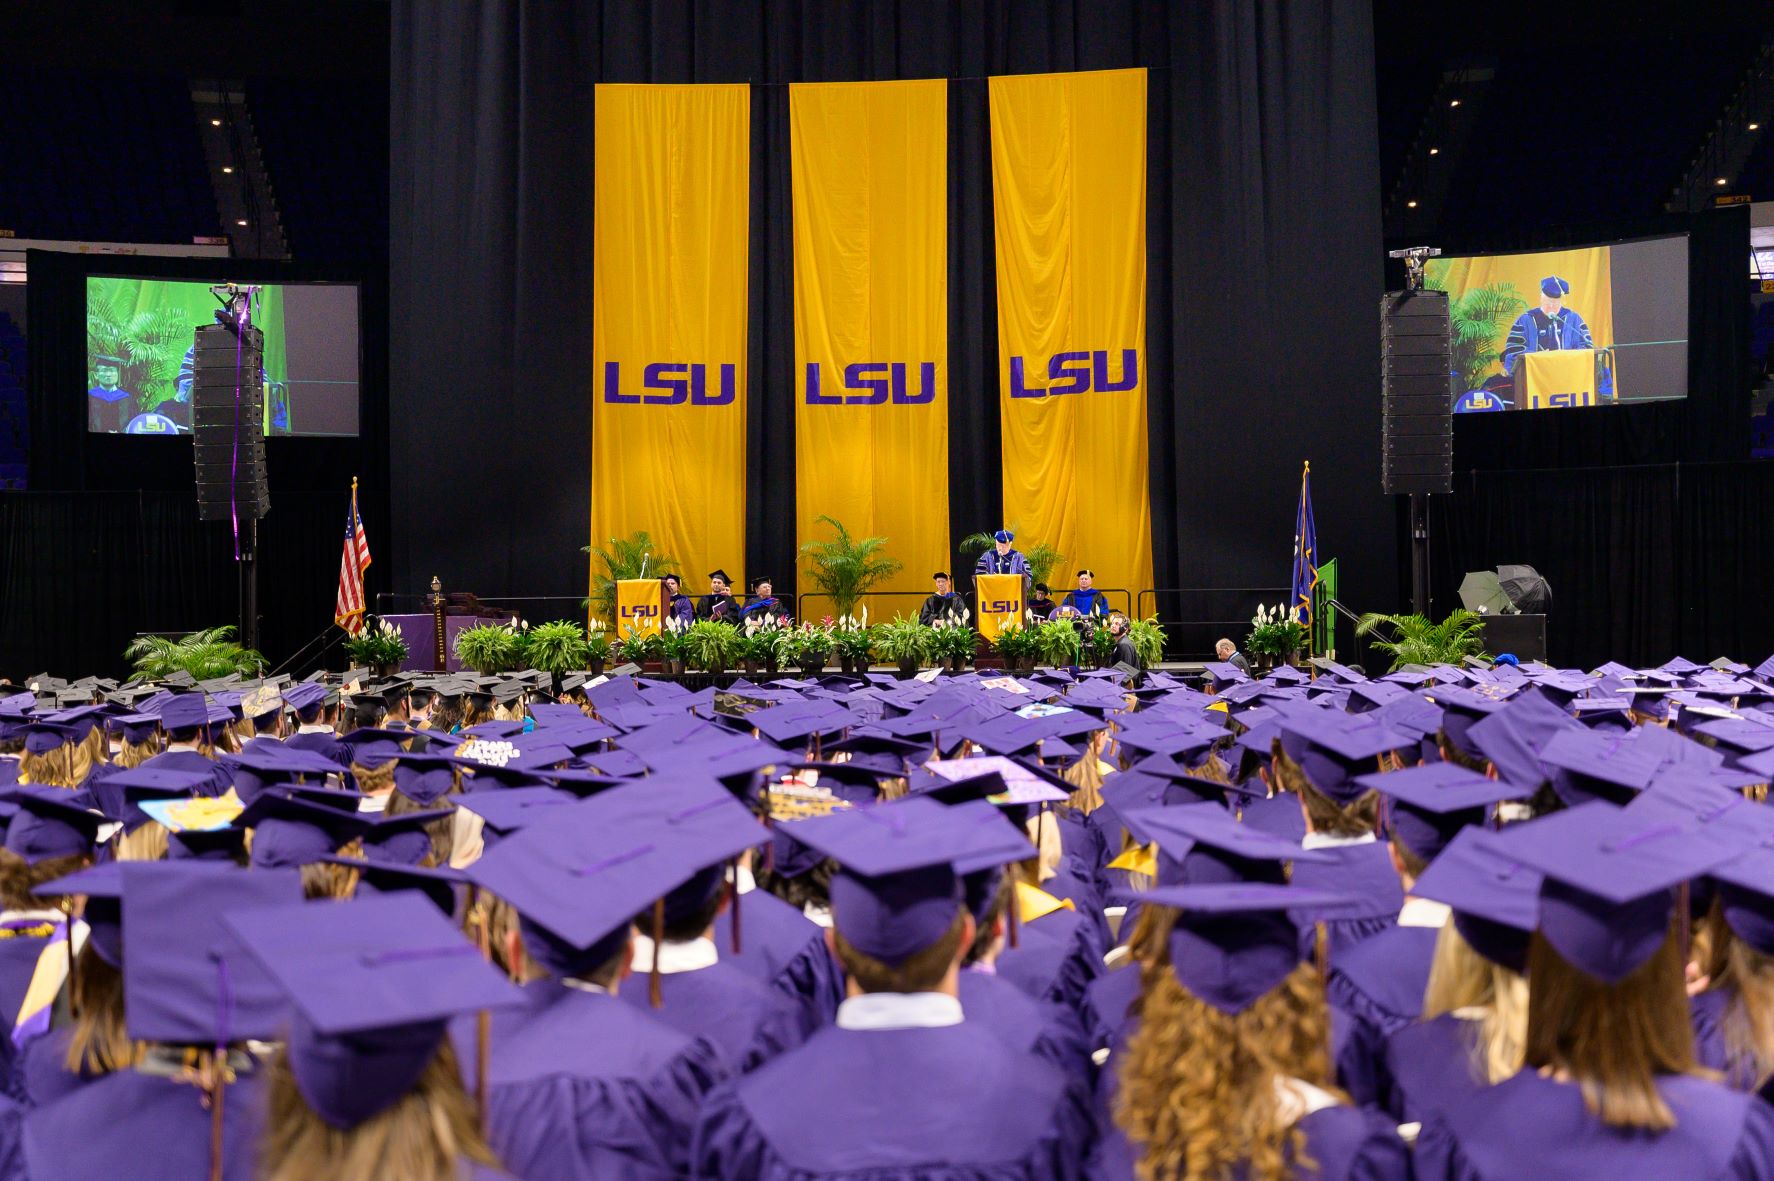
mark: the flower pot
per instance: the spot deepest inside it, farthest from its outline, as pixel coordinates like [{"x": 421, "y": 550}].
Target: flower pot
[
  {"x": 383, "y": 670},
  {"x": 597, "y": 666},
  {"x": 847, "y": 665},
  {"x": 750, "y": 667},
  {"x": 811, "y": 668},
  {"x": 908, "y": 665}
]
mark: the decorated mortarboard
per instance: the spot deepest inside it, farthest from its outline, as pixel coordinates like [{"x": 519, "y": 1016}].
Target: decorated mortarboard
[
  {"x": 1232, "y": 944},
  {"x": 1495, "y": 899},
  {"x": 291, "y": 831},
  {"x": 1610, "y": 874},
  {"x": 1200, "y": 844},
  {"x": 401, "y": 839},
  {"x": 51, "y": 822},
  {"x": 1589, "y": 766},
  {"x": 102, "y": 886},
  {"x": 1333, "y": 748},
  {"x": 372, "y": 984},
  {"x": 186, "y": 979},
  {"x": 897, "y": 890},
  {"x": 441, "y": 886},
  {"x": 124, "y": 794},
  {"x": 993, "y": 778},
  {"x": 1432, "y": 802}
]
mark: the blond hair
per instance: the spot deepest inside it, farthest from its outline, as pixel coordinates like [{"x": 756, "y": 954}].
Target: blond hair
[
  {"x": 1746, "y": 976},
  {"x": 98, "y": 1043},
  {"x": 1460, "y": 978}
]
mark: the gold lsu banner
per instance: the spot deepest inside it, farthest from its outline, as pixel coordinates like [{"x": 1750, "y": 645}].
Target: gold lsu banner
[
  {"x": 668, "y": 342},
  {"x": 1000, "y": 598},
  {"x": 869, "y": 163},
  {"x": 640, "y": 606},
  {"x": 1069, "y": 208}
]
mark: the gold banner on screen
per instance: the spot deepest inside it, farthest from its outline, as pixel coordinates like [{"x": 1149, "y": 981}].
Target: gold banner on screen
[
  {"x": 1069, "y": 202},
  {"x": 869, "y": 163},
  {"x": 669, "y": 304}
]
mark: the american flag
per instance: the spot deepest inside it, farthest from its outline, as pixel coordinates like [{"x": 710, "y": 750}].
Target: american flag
[{"x": 348, "y": 606}]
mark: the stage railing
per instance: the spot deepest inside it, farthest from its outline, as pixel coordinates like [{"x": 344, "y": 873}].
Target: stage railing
[{"x": 1194, "y": 617}]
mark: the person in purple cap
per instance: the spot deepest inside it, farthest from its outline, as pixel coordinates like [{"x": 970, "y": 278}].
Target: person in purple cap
[
  {"x": 63, "y": 1054},
  {"x": 678, "y": 605},
  {"x": 1610, "y": 1086},
  {"x": 779, "y": 945},
  {"x": 902, "y": 1084},
  {"x": 1733, "y": 1014},
  {"x": 1004, "y": 558},
  {"x": 185, "y": 719},
  {"x": 314, "y": 729},
  {"x": 1227, "y": 1073}
]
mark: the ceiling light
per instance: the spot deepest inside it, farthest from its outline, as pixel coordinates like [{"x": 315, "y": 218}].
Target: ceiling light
[
  {"x": 1410, "y": 204},
  {"x": 1755, "y": 126},
  {"x": 1455, "y": 103},
  {"x": 227, "y": 168},
  {"x": 241, "y": 222},
  {"x": 215, "y": 122},
  {"x": 1435, "y": 151},
  {"x": 1718, "y": 180}
]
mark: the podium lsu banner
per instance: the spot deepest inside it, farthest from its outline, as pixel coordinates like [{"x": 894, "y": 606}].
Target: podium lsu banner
[
  {"x": 669, "y": 297},
  {"x": 869, "y": 164},
  {"x": 1000, "y": 601},
  {"x": 1069, "y": 203},
  {"x": 1553, "y": 380},
  {"x": 639, "y": 606}
]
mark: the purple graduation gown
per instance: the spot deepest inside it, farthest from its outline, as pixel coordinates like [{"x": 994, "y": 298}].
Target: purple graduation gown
[
  {"x": 951, "y": 1103},
  {"x": 786, "y": 950},
  {"x": 584, "y": 1088},
  {"x": 1109, "y": 1004},
  {"x": 747, "y": 1021},
  {"x": 1528, "y": 1126},
  {"x": 1277, "y": 815},
  {"x": 1365, "y": 872},
  {"x": 1055, "y": 959},
  {"x": 1379, "y": 983},
  {"x": 21, "y": 944},
  {"x": 1708, "y": 1012},
  {"x": 189, "y": 760},
  {"x": 40, "y": 1073},
  {"x": 327, "y": 746},
  {"x": 1429, "y": 1068},
  {"x": 143, "y": 1127},
  {"x": 1042, "y": 1028}
]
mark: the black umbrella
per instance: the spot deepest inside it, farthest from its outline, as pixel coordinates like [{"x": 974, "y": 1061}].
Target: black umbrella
[{"x": 1531, "y": 594}]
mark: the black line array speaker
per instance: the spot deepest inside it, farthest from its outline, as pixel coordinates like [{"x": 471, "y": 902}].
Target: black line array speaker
[
  {"x": 1417, "y": 430},
  {"x": 228, "y": 423}
]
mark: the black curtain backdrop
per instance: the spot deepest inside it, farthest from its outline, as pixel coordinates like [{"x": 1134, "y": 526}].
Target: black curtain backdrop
[
  {"x": 107, "y": 543},
  {"x": 1263, "y": 270},
  {"x": 1648, "y": 520}
]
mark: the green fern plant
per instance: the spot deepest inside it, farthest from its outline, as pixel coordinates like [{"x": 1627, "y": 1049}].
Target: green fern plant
[
  {"x": 557, "y": 647},
  {"x": 1040, "y": 556},
  {"x": 489, "y": 648},
  {"x": 712, "y": 645},
  {"x": 1057, "y": 642},
  {"x": 152, "y": 343},
  {"x": 624, "y": 557},
  {"x": 1148, "y": 640},
  {"x": 1476, "y": 323},
  {"x": 1416, "y": 639},
  {"x": 844, "y": 568},
  {"x": 904, "y": 641},
  {"x": 204, "y": 654}
]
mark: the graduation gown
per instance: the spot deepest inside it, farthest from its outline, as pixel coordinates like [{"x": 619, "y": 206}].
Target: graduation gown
[
  {"x": 40, "y": 1074},
  {"x": 717, "y": 607},
  {"x": 1347, "y": 1144},
  {"x": 747, "y": 1021},
  {"x": 1379, "y": 984},
  {"x": 1055, "y": 960},
  {"x": 1429, "y": 1068},
  {"x": 944, "y": 1103},
  {"x": 1012, "y": 562},
  {"x": 1277, "y": 815},
  {"x": 144, "y": 1127},
  {"x": 1528, "y": 1126},
  {"x": 1364, "y": 872},
  {"x": 326, "y": 745},
  {"x": 937, "y": 607},
  {"x": 681, "y": 607},
  {"x": 1051, "y": 1032},
  {"x": 23, "y": 937},
  {"x": 1109, "y": 1003},
  {"x": 1708, "y": 1011},
  {"x": 783, "y": 948},
  {"x": 584, "y": 1088},
  {"x": 1086, "y": 602},
  {"x": 220, "y": 779}
]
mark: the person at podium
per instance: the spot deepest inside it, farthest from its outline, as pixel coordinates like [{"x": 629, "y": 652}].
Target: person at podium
[
  {"x": 1004, "y": 558},
  {"x": 1546, "y": 328}
]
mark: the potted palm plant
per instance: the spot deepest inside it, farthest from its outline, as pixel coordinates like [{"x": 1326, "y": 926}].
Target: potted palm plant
[
  {"x": 904, "y": 642},
  {"x": 844, "y": 568},
  {"x": 633, "y": 556},
  {"x": 204, "y": 654},
  {"x": 1415, "y": 639}
]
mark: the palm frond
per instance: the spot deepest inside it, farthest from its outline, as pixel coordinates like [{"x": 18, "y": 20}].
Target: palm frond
[
  {"x": 1416, "y": 639},
  {"x": 624, "y": 557},
  {"x": 204, "y": 654},
  {"x": 845, "y": 568}
]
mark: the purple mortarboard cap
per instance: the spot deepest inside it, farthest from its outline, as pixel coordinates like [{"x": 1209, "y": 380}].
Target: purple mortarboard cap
[
  {"x": 1589, "y": 766},
  {"x": 556, "y": 714},
  {"x": 51, "y": 822},
  {"x": 1285, "y": 674},
  {"x": 121, "y": 793},
  {"x": 1513, "y": 737},
  {"x": 1187, "y": 743},
  {"x": 137, "y": 728},
  {"x": 1368, "y": 696},
  {"x": 1746, "y": 897},
  {"x": 897, "y": 890},
  {"x": 1233, "y": 943},
  {"x": 261, "y": 767},
  {"x": 304, "y": 696},
  {"x": 290, "y": 832},
  {"x": 1495, "y": 899},
  {"x": 1606, "y": 714},
  {"x": 504, "y": 812},
  {"x": 424, "y": 778},
  {"x": 1609, "y": 882},
  {"x": 41, "y": 737},
  {"x": 1203, "y": 844},
  {"x": 1416, "y": 718},
  {"x": 371, "y": 748},
  {"x": 1224, "y": 675},
  {"x": 1736, "y": 737},
  {"x": 372, "y": 984},
  {"x": 187, "y": 711},
  {"x": 1461, "y": 709},
  {"x": 1650, "y": 700},
  {"x": 441, "y": 886},
  {"x": 102, "y": 886},
  {"x": 1432, "y": 802},
  {"x": 1333, "y": 748},
  {"x": 589, "y": 868},
  {"x": 186, "y": 979},
  {"x": 205, "y": 844},
  {"x": 401, "y": 839}
]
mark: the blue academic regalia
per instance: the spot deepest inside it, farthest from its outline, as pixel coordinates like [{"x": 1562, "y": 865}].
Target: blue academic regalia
[
  {"x": 585, "y": 1088},
  {"x": 1346, "y": 1143},
  {"x": 949, "y": 1103},
  {"x": 1379, "y": 983},
  {"x": 109, "y": 410},
  {"x": 220, "y": 779},
  {"x": 1536, "y": 332},
  {"x": 147, "y": 1128},
  {"x": 786, "y": 950},
  {"x": 1055, "y": 959},
  {"x": 1361, "y": 871},
  {"x": 992, "y": 562},
  {"x": 1086, "y": 602},
  {"x": 763, "y": 609},
  {"x": 1049, "y": 1031},
  {"x": 747, "y": 1021},
  {"x": 1529, "y": 1126},
  {"x": 1430, "y": 1068}
]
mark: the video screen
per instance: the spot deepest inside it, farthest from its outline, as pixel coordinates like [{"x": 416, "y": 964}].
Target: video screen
[
  {"x": 1597, "y": 326},
  {"x": 139, "y": 350}
]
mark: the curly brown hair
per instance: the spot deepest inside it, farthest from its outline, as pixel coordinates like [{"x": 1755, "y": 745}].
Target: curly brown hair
[
  {"x": 1198, "y": 1087},
  {"x": 18, "y": 878}
]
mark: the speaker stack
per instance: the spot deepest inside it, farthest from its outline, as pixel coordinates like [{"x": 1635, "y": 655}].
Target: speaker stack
[
  {"x": 1417, "y": 430},
  {"x": 228, "y": 423}
]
